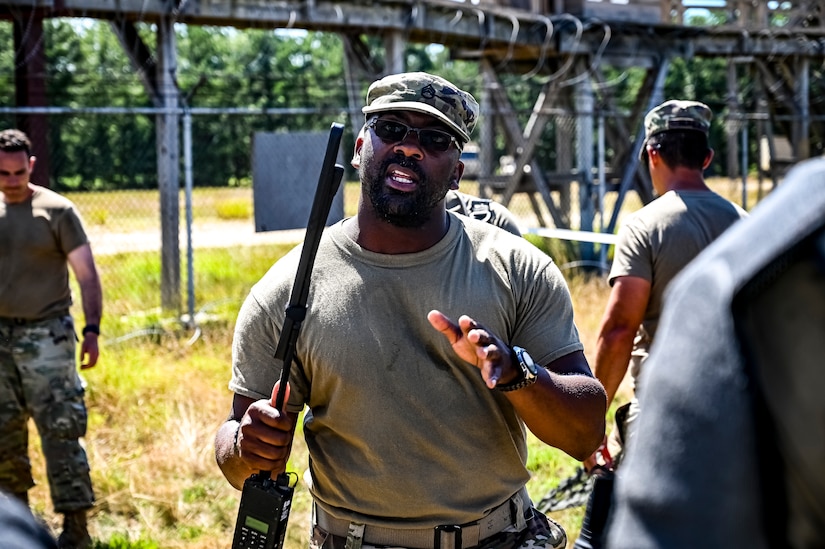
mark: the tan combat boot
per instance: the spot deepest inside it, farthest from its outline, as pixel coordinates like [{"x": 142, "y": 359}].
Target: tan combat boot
[{"x": 75, "y": 531}]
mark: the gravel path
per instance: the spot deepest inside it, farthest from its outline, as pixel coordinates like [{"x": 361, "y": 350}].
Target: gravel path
[{"x": 213, "y": 235}]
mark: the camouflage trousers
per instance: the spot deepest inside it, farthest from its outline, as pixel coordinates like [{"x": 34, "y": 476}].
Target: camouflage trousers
[{"x": 39, "y": 380}]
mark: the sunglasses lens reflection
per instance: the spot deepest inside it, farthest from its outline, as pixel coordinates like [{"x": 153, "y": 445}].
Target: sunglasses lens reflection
[{"x": 390, "y": 131}]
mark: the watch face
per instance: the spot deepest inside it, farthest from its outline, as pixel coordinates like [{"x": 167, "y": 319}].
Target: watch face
[
  {"x": 527, "y": 362},
  {"x": 528, "y": 375}
]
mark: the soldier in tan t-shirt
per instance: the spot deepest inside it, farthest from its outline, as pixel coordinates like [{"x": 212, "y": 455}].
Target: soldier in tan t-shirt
[
  {"x": 41, "y": 235},
  {"x": 656, "y": 242},
  {"x": 414, "y": 363}
]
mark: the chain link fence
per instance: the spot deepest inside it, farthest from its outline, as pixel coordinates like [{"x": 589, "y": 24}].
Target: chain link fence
[{"x": 122, "y": 208}]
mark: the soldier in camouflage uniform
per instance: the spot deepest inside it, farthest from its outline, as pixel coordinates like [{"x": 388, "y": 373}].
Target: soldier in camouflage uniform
[
  {"x": 656, "y": 242},
  {"x": 41, "y": 234}
]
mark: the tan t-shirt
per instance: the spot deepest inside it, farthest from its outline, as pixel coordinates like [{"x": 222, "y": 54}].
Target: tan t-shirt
[
  {"x": 36, "y": 236},
  {"x": 656, "y": 242},
  {"x": 401, "y": 432}
]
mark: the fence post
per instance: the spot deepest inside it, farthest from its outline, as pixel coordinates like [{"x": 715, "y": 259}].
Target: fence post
[
  {"x": 168, "y": 158},
  {"x": 187, "y": 174}
]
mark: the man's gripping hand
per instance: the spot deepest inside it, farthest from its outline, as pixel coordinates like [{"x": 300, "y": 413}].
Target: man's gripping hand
[{"x": 264, "y": 435}]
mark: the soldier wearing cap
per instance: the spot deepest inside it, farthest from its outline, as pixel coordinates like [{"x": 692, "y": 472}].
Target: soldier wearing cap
[
  {"x": 655, "y": 243},
  {"x": 414, "y": 362}
]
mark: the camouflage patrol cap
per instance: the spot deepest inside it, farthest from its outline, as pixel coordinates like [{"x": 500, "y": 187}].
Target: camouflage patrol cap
[
  {"x": 424, "y": 93},
  {"x": 677, "y": 115}
]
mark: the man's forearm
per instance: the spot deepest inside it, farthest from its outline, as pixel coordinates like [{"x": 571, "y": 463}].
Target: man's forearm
[
  {"x": 83, "y": 264},
  {"x": 226, "y": 454},
  {"x": 612, "y": 358},
  {"x": 566, "y": 411},
  {"x": 92, "y": 305}
]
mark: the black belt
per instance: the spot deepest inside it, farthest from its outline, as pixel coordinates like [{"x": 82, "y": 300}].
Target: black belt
[{"x": 18, "y": 321}]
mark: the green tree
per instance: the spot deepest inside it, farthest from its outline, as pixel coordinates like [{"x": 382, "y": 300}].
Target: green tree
[
  {"x": 263, "y": 69},
  {"x": 87, "y": 67},
  {"x": 6, "y": 72},
  {"x": 258, "y": 69}
]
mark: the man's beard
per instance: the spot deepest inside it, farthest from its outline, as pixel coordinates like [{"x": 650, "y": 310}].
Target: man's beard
[{"x": 402, "y": 209}]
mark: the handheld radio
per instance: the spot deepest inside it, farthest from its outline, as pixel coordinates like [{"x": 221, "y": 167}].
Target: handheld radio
[
  {"x": 264, "y": 512},
  {"x": 265, "y": 503}
]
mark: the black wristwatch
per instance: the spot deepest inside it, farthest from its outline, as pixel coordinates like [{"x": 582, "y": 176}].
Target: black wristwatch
[{"x": 529, "y": 371}]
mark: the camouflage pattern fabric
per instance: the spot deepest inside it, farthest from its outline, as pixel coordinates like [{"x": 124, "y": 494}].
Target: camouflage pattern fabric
[
  {"x": 428, "y": 94},
  {"x": 678, "y": 115},
  {"x": 39, "y": 380}
]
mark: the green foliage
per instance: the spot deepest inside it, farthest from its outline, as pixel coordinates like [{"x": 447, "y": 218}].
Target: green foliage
[
  {"x": 119, "y": 541},
  {"x": 562, "y": 251},
  {"x": 704, "y": 17},
  {"x": 6, "y": 72},
  {"x": 260, "y": 69},
  {"x": 222, "y": 276},
  {"x": 97, "y": 216},
  {"x": 257, "y": 69},
  {"x": 137, "y": 278},
  {"x": 87, "y": 67}
]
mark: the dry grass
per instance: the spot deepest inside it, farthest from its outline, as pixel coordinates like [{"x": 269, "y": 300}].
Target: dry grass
[{"x": 154, "y": 409}]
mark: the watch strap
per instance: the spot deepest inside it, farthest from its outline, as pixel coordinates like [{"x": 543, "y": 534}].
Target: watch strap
[{"x": 524, "y": 379}]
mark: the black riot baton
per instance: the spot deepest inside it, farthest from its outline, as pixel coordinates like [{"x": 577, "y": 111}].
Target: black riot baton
[{"x": 265, "y": 503}]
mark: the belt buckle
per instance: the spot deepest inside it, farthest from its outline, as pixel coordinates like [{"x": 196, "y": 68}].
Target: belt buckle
[{"x": 453, "y": 529}]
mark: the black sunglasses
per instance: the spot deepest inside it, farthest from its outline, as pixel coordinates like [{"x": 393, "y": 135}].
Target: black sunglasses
[{"x": 391, "y": 131}]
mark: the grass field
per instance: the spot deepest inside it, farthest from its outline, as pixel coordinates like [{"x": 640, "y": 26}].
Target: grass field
[{"x": 160, "y": 392}]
